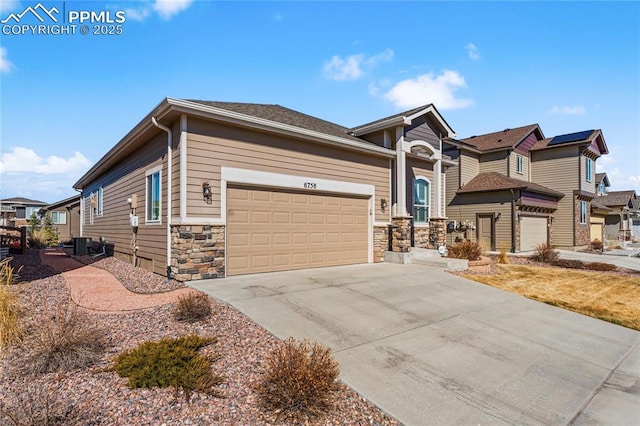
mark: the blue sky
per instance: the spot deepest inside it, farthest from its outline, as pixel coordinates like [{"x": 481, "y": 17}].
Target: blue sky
[{"x": 67, "y": 99}]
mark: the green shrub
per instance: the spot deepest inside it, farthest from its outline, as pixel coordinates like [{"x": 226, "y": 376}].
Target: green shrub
[
  {"x": 568, "y": 263},
  {"x": 300, "y": 380},
  {"x": 600, "y": 266},
  {"x": 469, "y": 250},
  {"x": 545, "y": 253},
  {"x": 170, "y": 363},
  {"x": 65, "y": 341},
  {"x": 193, "y": 307}
]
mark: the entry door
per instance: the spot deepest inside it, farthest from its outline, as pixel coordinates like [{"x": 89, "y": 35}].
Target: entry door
[{"x": 485, "y": 231}]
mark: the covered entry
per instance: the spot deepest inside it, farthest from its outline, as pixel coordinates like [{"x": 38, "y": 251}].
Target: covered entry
[
  {"x": 533, "y": 231},
  {"x": 276, "y": 230}
]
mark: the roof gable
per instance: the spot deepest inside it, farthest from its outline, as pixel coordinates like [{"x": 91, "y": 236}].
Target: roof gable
[
  {"x": 494, "y": 181},
  {"x": 504, "y": 139},
  {"x": 406, "y": 118},
  {"x": 616, "y": 198},
  {"x": 592, "y": 138}
]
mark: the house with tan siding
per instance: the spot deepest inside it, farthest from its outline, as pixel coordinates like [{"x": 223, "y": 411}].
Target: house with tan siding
[
  {"x": 201, "y": 189},
  {"x": 515, "y": 189},
  {"x": 65, "y": 217}
]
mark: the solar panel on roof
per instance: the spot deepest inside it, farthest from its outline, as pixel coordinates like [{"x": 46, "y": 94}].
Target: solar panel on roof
[{"x": 570, "y": 137}]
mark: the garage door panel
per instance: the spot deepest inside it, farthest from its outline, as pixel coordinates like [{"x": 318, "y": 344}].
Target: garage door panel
[
  {"x": 533, "y": 231},
  {"x": 293, "y": 230}
]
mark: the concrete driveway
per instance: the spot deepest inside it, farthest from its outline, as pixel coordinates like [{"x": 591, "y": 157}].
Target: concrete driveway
[{"x": 432, "y": 348}]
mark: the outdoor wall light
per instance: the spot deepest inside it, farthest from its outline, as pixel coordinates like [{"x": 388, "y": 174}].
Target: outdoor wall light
[
  {"x": 383, "y": 204},
  {"x": 206, "y": 191}
]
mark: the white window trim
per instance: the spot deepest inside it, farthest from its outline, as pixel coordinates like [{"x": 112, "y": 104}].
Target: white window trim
[
  {"x": 413, "y": 201},
  {"x": 519, "y": 164},
  {"x": 157, "y": 169},
  {"x": 57, "y": 222},
  {"x": 583, "y": 218},
  {"x": 589, "y": 169},
  {"x": 99, "y": 201}
]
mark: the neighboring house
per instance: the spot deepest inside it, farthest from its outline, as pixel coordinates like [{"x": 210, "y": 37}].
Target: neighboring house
[
  {"x": 620, "y": 214},
  {"x": 210, "y": 189},
  {"x": 65, "y": 216},
  {"x": 17, "y": 211},
  {"x": 567, "y": 163},
  {"x": 490, "y": 195},
  {"x": 635, "y": 220},
  {"x": 599, "y": 211}
]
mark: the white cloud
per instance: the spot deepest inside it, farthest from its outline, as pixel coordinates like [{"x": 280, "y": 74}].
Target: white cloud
[
  {"x": 620, "y": 173},
  {"x": 278, "y": 17},
  {"x": 8, "y": 5},
  {"x": 568, "y": 110},
  {"x": 472, "y": 49},
  {"x": 167, "y": 8},
  {"x": 22, "y": 159},
  {"x": 354, "y": 66},
  {"x": 5, "y": 65},
  {"x": 427, "y": 88}
]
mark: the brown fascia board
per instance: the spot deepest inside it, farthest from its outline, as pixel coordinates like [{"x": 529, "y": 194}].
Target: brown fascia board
[
  {"x": 71, "y": 201},
  {"x": 196, "y": 109},
  {"x": 461, "y": 145},
  {"x": 585, "y": 194}
]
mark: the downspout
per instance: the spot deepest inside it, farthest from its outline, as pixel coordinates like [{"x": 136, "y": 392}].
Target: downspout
[
  {"x": 81, "y": 210},
  {"x": 169, "y": 161},
  {"x": 513, "y": 221}
]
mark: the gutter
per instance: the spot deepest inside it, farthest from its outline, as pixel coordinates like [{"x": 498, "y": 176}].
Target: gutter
[
  {"x": 81, "y": 210},
  {"x": 392, "y": 122},
  {"x": 169, "y": 161}
]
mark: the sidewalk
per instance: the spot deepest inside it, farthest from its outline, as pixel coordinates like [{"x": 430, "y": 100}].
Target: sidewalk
[{"x": 97, "y": 290}]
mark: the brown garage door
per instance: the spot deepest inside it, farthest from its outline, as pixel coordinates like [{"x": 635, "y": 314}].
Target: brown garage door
[
  {"x": 533, "y": 231},
  {"x": 270, "y": 230},
  {"x": 596, "y": 231}
]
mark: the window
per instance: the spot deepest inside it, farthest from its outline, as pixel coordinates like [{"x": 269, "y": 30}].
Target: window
[
  {"x": 99, "y": 202},
  {"x": 153, "y": 195},
  {"x": 583, "y": 212},
  {"x": 421, "y": 201},
  {"x": 519, "y": 164},
  {"x": 589, "y": 170},
  {"x": 603, "y": 189},
  {"x": 59, "y": 218}
]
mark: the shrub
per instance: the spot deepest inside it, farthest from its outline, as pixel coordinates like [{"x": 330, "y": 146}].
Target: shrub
[
  {"x": 568, "y": 263},
  {"x": 193, "y": 307},
  {"x": 469, "y": 250},
  {"x": 600, "y": 266},
  {"x": 300, "y": 380},
  {"x": 596, "y": 245},
  {"x": 66, "y": 341},
  {"x": 170, "y": 363},
  {"x": 502, "y": 256},
  {"x": 37, "y": 239},
  {"x": 10, "y": 309},
  {"x": 34, "y": 405},
  {"x": 545, "y": 253}
]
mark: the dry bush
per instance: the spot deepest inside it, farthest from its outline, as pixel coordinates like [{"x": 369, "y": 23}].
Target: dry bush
[
  {"x": 545, "y": 253},
  {"x": 469, "y": 250},
  {"x": 10, "y": 308},
  {"x": 34, "y": 405},
  {"x": 65, "y": 341},
  {"x": 193, "y": 307},
  {"x": 600, "y": 266},
  {"x": 170, "y": 363},
  {"x": 568, "y": 263},
  {"x": 596, "y": 245},
  {"x": 502, "y": 256},
  {"x": 300, "y": 380}
]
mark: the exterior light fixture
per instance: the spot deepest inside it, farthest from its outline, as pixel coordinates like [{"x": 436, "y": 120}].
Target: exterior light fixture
[
  {"x": 383, "y": 204},
  {"x": 206, "y": 191}
]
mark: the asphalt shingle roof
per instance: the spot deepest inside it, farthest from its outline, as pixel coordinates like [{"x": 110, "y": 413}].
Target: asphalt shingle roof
[
  {"x": 615, "y": 198},
  {"x": 544, "y": 143},
  {"x": 507, "y": 138},
  {"x": 21, "y": 200},
  {"x": 494, "y": 181},
  {"x": 400, "y": 114},
  {"x": 280, "y": 114}
]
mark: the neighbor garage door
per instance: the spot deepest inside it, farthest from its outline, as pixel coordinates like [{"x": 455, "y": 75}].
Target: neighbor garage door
[
  {"x": 596, "y": 231},
  {"x": 533, "y": 231},
  {"x": 271, "y": 230}
]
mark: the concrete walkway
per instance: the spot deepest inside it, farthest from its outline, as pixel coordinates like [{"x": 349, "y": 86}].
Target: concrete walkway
[
  {"x": 96, "y": 289},
  {"x": 431, "y": 348},
  {"x": 623, "y": 261}
]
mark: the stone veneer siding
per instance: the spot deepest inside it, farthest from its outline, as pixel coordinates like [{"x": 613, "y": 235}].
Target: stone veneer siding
[
  {"x": 380, "y": 242},
  {"x": 401, "y": 234},
  {"x": 197, "y": 252},
  {"x": 432, "y": 236},
  {"x": 582, "y": 231}
]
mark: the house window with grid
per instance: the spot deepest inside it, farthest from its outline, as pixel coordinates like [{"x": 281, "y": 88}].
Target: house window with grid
[
  {"x": 154, "y": 195},
  {"x": 583, "y": 212},
  {"x": 59, "y": 218},
  {"x": 589, "y": 170},
  {"x": 421, "y": 189},
  {"x": 519, "y": 164}
]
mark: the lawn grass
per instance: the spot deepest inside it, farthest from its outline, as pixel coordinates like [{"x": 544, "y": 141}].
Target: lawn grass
[{"x": 613, "y": 298}]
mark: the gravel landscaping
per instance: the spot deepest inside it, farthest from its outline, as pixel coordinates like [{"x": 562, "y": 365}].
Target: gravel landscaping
[{"x": 98, "y": 396}]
